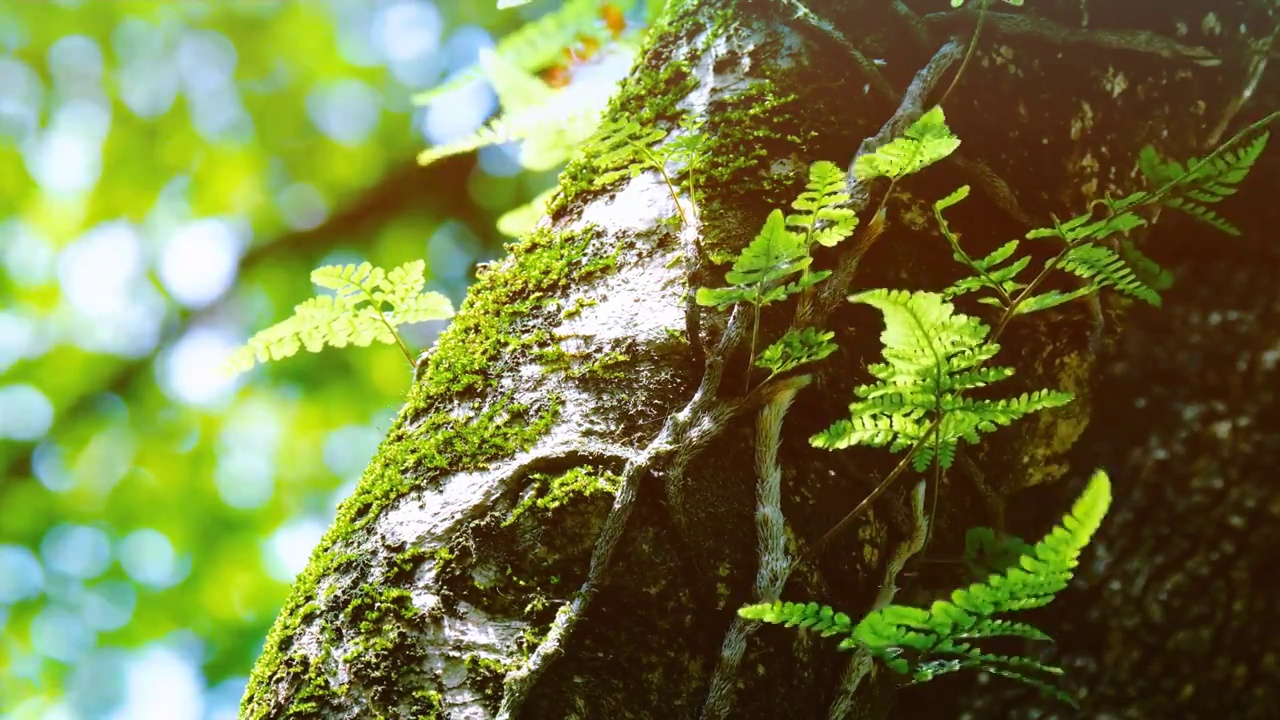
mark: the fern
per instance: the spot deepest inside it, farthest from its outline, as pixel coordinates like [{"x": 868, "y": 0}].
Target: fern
[
  {"x": 367, "y": 306},
  {"x": 536, "y": 45},
  {"x": 821, "y": 217},
  {"x": 925, "y": 142},
  {"x": 1098, "y": 265},
  {"x": 932, "y": 356},
  {"x": 1201, "y": 183},
  {"x": 759, "y": 272},
  {"x": 796, "y": 348},
  {"x": 628, "y": 149},
  {"x": 925, "y": 643},
  {"x": 552, "y": 123},
  {"x": 985, "y": 552}
]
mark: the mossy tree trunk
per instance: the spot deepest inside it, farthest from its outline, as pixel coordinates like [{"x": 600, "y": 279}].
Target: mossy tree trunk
[{"x": 562, "y": 521}]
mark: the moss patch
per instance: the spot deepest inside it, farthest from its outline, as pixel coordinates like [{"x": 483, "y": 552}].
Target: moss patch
[
  {"x": 450, "y": 423},
  {"x": 650, "y": 96},
  {"x": 552, "y": 491}
]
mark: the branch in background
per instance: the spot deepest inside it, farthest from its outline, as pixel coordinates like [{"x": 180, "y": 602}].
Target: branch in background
[{"x": 404, "y": 187}]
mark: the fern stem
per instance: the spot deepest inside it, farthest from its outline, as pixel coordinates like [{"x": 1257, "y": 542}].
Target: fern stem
[
  {"x": 968, "y": 54},
  {"x": 666, "y": 179},
  {"x": 391, "y": 328},
  {"x": 880, "y": 490},
  {"x": 967, "y": 259}
]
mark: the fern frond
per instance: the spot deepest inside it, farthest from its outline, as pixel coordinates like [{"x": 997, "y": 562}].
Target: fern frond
[
  {"x": 1084, "y": 228},
  {"x": 1104, "y": 268},
  {"x": 927, "y": 642},
  {"x": 986, "y": 553},
  {"x": 822, "y": 619},
  {"x": 1199, "y": 184},
  {"x": 932, "y": 356},
  {"x": 534, "y": 46},
  {"x": 774, "y": 255},
  {"x": 367, "y": 306},
  {"x": 552, "y": 123},
  {"x": 822, "y": 219},
  {"x": 925, "y": 142},
  {"x": 796, "y": 348}
]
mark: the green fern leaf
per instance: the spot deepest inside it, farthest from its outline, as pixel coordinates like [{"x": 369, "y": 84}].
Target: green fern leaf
[
  {"x": 1201, "y": 183},
  {"x": 367, "y": 306},
  {"x": 925, "y": 142},
  {"x": 796, "y": 348},
  {"x": 986, "y": 553},
  {"x": 988, "y": 272},
  {"x": 925, "y": 643},
  {"x": 821, "y": 218},
  {"x": 1104, "y": 268},
  {"x": 774, "y": 255},
  {"x": 1052, "y": 298},
  {"x": 552, "y": 123},
  {"x": 932, "y": 355},
  {"x": 535, "y": 46}
]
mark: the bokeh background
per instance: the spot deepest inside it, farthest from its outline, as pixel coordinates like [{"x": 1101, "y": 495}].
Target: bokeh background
[{"x": 170, "y": 172}]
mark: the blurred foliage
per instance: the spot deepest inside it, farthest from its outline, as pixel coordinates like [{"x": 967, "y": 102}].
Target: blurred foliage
[{"x": 169, "y": 175}]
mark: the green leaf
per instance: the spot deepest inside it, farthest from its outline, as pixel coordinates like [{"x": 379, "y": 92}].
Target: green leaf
[
  {"x": 925, "y": 142},
  {"x": 932, "y": 356},
  {"x": 796, "y": 348},
  {"x": 367, "y": 306},
  {"x": 775, "y": 254},
  {"x": 821, "y": 218},
  {"x": 1201, "y": 183}
]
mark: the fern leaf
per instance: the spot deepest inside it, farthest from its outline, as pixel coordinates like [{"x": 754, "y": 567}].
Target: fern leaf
[
  {"x": 925, "y": 643},
  {"x": 932, "y": 356},
  {"x": 533, "y": 47},
  {"x": 552, "y": 123},
  {"x": 1201, "y": 183},
  {"x": 1052, "y": 298},
  {"x": 1104, "y": 268},
  {"x": 367, "y": 306},
  {"x": 796, "y": 348},
  {"x": 822, "y": 619},
  {"x": 925, "y": 142},
  {"x": 985, "y": 553},
  {"x": 821, "y": 218},
  {"x": 775, "y": 254}
]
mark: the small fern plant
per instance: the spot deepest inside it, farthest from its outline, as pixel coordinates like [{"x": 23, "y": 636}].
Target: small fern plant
[
  {"x": 777, "y": 263},
  {"x": 631, "y": 148},
  {"x": 926, "y": 642},
  {"x": 1088, "y": 247},
  {"x": 368, "y": 305},
  {"x": 933, "y": 355}
]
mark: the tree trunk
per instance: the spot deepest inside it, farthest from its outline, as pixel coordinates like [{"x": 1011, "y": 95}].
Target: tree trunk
[{"x": 578, "y": 373}]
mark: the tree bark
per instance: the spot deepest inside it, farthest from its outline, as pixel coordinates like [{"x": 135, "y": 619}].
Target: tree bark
[{"x": 578, "y": 359}]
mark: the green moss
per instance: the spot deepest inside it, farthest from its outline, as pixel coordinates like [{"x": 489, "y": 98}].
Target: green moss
[
  {"x": 576, "y": 308},
  {"x": 746, "y": 132},
  {"x": 651, "y": 96},
  {"x": 486, "y": 675},
  {"x": 550, "y": 492},
  {"x": 499, "y": 327},
  {"x": 583, "y": 364}
]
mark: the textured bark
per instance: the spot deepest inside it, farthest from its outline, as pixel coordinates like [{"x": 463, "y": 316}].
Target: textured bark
[{"x": 574, "y": 356}]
